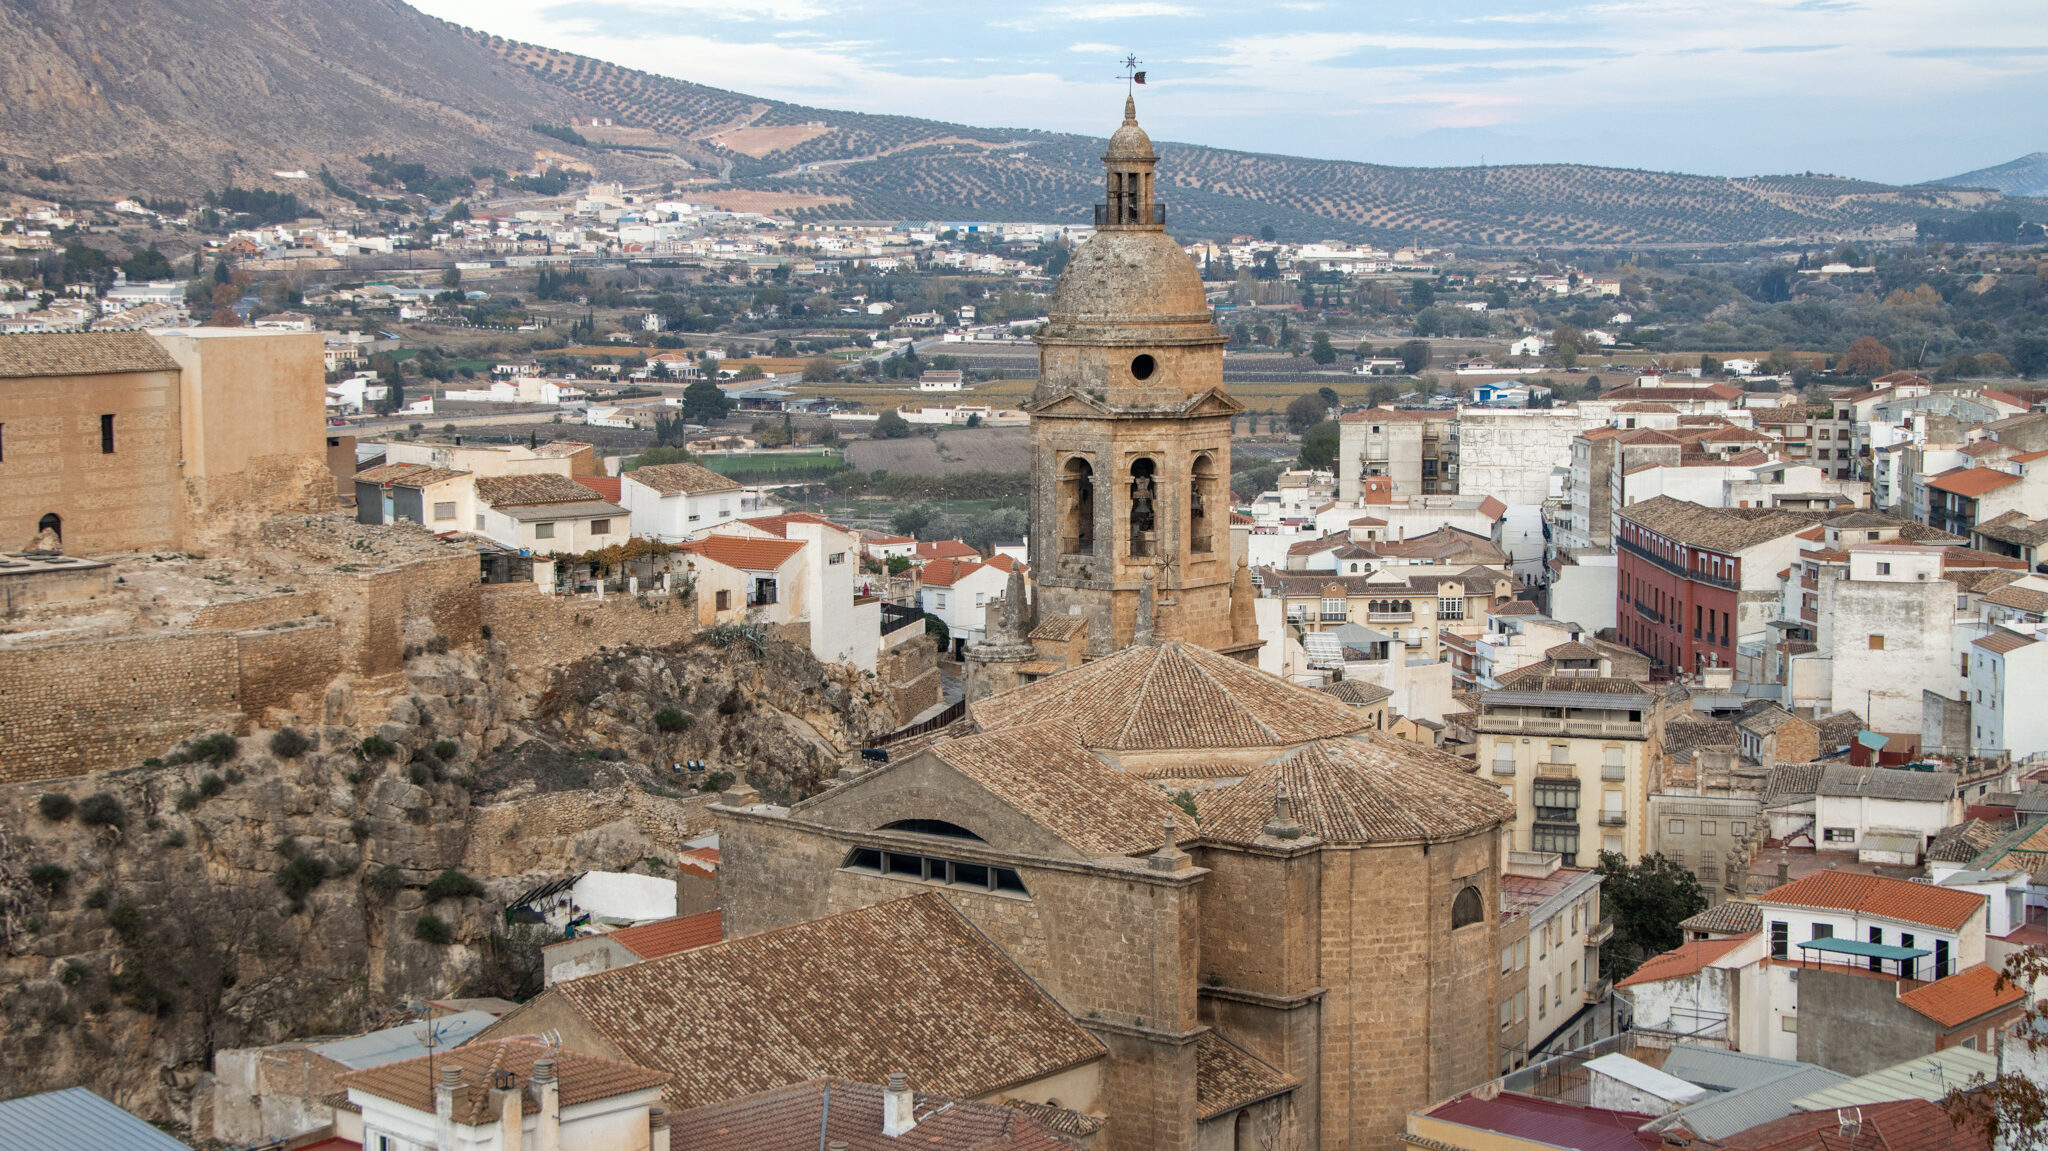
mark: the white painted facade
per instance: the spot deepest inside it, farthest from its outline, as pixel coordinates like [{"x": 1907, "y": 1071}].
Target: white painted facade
[{"x": 679, "y": 516}]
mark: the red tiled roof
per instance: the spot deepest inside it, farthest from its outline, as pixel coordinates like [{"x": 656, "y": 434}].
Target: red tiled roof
[
  {"x": 1687, "y": 959},
  {"x": 2006, "y": 398},
  {"x": 1005, "y": 563},
  {"x": 1903, "y": 1125},
  {"x": 1940, "y": 907},
  {"x": 946, "y": 549},
  {"x": 668, "y": 936},
  {"x": 779, "y": 525},
  {"x": 1972, "y": 481},
  {"x": 946, "y": 573},
  {"x": 606, "y": 486},
  {"x": 1963, "y": 996},
  {"x": 754, "y": 555},
  {"x": 707, "y": 854},
  {"x": 839, "y": 1113},
  {"x": 1492, "y": 508}
]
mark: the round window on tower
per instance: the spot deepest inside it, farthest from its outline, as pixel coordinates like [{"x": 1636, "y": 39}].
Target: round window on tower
[{"x": 1143, "y": 367}]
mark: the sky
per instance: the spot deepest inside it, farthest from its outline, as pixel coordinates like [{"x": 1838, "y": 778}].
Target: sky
[{"x": 1894, "y": 90}]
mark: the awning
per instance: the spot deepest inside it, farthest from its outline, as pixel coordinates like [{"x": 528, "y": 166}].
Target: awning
[{"x": 1865, "y": 949}]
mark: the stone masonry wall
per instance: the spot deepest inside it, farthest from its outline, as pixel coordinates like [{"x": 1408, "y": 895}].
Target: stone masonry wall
[
  {"x": 260, "y": 612},
  {"x": 77, "y": 707},
  {"x": 524, "y": 618},
  {"x": 278, "y": 663}
]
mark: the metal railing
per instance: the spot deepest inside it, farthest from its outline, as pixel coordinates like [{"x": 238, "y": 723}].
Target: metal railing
[
  {"x": 1599, "y": 933},
  {"x": 1102, "y": 215},
  {"x": 896, "y": 617},
  {"x": 951, "y": 715},
  {"x": 1676, "y": 569},
  {"x": 1547, "y": 725}
]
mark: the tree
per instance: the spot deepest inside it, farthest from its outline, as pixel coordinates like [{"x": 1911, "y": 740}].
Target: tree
[
  {"x": 913, "y": 520},
  {"x": 819, "y": 369},
  {"x": 1382, "y": 392},
  {"x": 1267, "y": 234},
  {"x": 1647, "y": 901},
  {"x": 451, "y": 277},
  {"x": 1422, "y": 294},
  {"x": 892, "y": 426},
  {"x": 1319, "y": 446},
  {"x": 148, "y": 264},
  {"x": 2011, "y": 1109},
  {"x": 1329, "y": 395},
  {"x": 1321, "y": 351},
  {"x": 1414, "y": 356},
  {"x": 704, "y": 402},
  {"x": 1305, "y": 412},
  {"x": 1247, "y": 483},
  {"x": 1867, "y": 357}
]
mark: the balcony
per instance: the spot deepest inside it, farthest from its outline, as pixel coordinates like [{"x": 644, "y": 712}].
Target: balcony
[
  {"x": 1548, "y": 770},
  {"x": 1390, "y": 616},
  {"x": 1601, "y": 932},
  {"x": 1613, "y": 819},
  {"x": 1102, "y": 215},
  {"x": 1613, "y": 772},
  {"x": 1598, "y": 990},
  {"x": 1550, "y": 725},
  {"x": 1648, "y": 612},
  {"x": 1503, "y": 767},
  {"x": 1676, "y": 569}
]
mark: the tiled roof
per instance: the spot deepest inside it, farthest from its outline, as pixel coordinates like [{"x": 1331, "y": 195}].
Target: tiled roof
[
  {"x": 1962, "y": 842},
  {"x": 583, "y": 1078},
  {"x": 1690, "y": 732},
  {"x": 1005, "y": 563},
  {"x": 779, "y": 525},
  {"x": 2014, "y": 527},
  {"x": 1848, "y": 780},
  {"x": 407, "y": 475},
  {"x": 606, "y": 486},
  {"x": 527, "y": 490},
  {"x": 2003, "y": 641},
  {"x": 681, "y": 479},
  {"x": 1688, "y": 958},
  {"x": 1356, "y": 692},
  {"x": 1446, "y": 542},
  {"x": 1039, "y": 770},
  {"x": 1571, "y": 649},
  {"x": 2016, "y": 596},
  {"x": 1903, "y": 1125},
  {"x": 839, "y": 1113},
  {"x": 946, "y": 573},
  {"x": 743, "y": 552},
  {"x": 1227, "y": 1078},
  {"x": 672, "y": 935},
  {"x": 1171, "y": 695},
  {"x": 1515, "y": 607},
  {"x": 1964, "y": 996},
  {"x": 1059, "y": 628},
  {"x": 1939, "y": 907},
  {"x": 1729, "y": 917},
  {"x": 1528, "y": 1120},
  {"x": 81, "y": 354},
  {"x": 1789, "y": 780},
  {"x": 1972, "y": 481},
  {"x": 905, "y": 986},
  {"x": 946, "y": 549},
  {"x": 1725, "y": 530},
  {"x": 1371, "y": 788}
]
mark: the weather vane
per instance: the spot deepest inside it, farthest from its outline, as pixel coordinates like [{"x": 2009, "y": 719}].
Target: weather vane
[{"x": 1132, "y": 74}]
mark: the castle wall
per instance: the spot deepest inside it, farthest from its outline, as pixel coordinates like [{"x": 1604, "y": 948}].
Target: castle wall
[
  {"x": 122, "y": 501},
  {"x": 278, "y": 663},
  {"x": 76, "y": 707},
  {"x": 524, "y": 618}
]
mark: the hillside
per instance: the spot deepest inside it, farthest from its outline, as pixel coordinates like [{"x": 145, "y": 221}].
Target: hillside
[
  {"x": 2026, "y": 176},
  {"x": 172, "y": 98}
]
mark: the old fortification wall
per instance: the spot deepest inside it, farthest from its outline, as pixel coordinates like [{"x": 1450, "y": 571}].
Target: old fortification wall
[
  {"x": 74, "y": 707},
  {"x": 259, "y": 612},
  {"x": 565, "y": 628},
  {"x": 281, "y": 662}
]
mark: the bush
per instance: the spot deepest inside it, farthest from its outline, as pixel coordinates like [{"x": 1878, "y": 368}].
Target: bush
[
  {"x": 176, "y": 838},
  {"x": 452, "y": 884},
  {"x": 188, "y": 800},
  {"x": 432, "y": 929},
  {"x": 211, "y": 785},
  {"x": 360, "y": 829},
  {"x": 385, "y": 881},
  {"x": 73, "y": 972},
  {"x": 418, "y": 774},
  {"x": 101, "y": 810},
  {"x": 126, "y": 920},
  {"x": 447, "y": 749},
  {"x": 299, "y": 878},
  {"x": 216, "y": 748},
  {"x": 56, "y": 806},
  {"x": 668, "y": 719},
  {"x": 49, "y": 876},
  {"x": 289, "y": 744},
  {"x": 377, "y": 747},
  {"x": 98, "y": 900}
]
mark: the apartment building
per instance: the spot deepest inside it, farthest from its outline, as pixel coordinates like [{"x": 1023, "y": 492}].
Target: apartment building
[
  {"x": 1550, "y": 937},
  {"x": 1576, "y": 753},
  {"x": 1416, "y": 451}
]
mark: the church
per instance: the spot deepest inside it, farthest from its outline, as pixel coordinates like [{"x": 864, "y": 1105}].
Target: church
[{"x": 1281, "y": 924}]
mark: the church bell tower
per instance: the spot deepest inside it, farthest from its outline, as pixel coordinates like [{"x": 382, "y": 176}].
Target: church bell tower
[{"x": 1130, "y": 431}]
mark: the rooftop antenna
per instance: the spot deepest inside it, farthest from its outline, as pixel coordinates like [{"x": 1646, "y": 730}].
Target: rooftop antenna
[{"x": 1133, "y": 75}]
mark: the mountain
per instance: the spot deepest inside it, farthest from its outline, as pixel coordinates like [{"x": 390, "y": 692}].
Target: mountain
[
  {"x": 173, "y": 98},
  {"x": 2026, "y": 176}
]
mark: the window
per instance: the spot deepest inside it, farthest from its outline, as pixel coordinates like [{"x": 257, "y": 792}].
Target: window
[
  {"x": 1575, "y": 975},
  {"x": 724, "y": 599},
  {"x": 1521, "y": 1006},
  {"x": 1507, "y": 964},
  {"x": 107, "y": 435},
  {"x": 1503, "y": 759},
  {"x": 1468, "y": 908},
  {"x": 444, "y": 510},
  {"x": 1563, "y": 840},
  {"x": 600, "y": 527},
  {"x": 942, "y": 601},
  {"x": 1884, "y": 569},
  {"x": 937, "y": 869},
  {"x": 1841, "y": 835},
  {"x": 1560, "y": 753},
  {"x": 1823, "y": 931},
  {"x": 836, "y": 558},
  {"x": 1877, "y": 643},
  {"x": 1707, "y": 827},
  {"x": 1941, "y": 967},
  {"x": 1674, "y": 827},
  {"x": 1788, "y": 1023},
  {"x": 1738, "y": 829},
  {"x": 1613, "y": 765},
  {"x": 1781, "y": 941},
  {"x": 479, "y": 521},
  {"x": 1333, "y": 608},
  {"x": 1450, "y": 607},
  {"x": 981, "y": 599},
  {"x": 1557, "y": 801},
  {"x": 543, "y": 531}
]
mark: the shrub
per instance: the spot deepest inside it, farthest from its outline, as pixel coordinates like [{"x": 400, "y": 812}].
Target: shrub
[
  {"x": 419, "y": 774},
  {"x": 233, "y": 776},
  {"x": 101, "y": 810},
  {"x": 668, "y": 719},
  {"x": 447, "y": 749},
  {"x": 216, "y": 748},
  {"x": 126, "y": 920},
  {"x": 360, "y": 829},
  {"x": 56, "y": 806},
  {"x": 452, "y": 884},
  {"x": 377, "y": 747},
  {"x": 73, "y": 972},
  {"x": 289, "y": 744},
  {"x": 188, "y": 800},
  {"x": 98, "y": 900},
  {"x": 300, "y": 877},
  {"x": 385, "y": 881},
  {"x": 211, "y": 785},
  {"x": 176, "y": 838},
  {"x": 50, "y": 877},
  {"x": 432, "y": 929}
]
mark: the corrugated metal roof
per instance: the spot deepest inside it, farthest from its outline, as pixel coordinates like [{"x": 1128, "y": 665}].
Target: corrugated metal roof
[
  {"x": 75, "y": 1119},
  {"x": 1723, "y": 1115},
  {"x": 404, "y": 1041},
  {"x": 1922, "y": 1077}
]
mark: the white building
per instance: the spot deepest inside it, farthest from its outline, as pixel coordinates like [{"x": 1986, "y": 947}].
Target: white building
[
  {"x": 504, "y": 1095},
  {"x": 675, "y": 502},
  {"x": 958, "y": 593},
  {"x": 547, "y": 514}
]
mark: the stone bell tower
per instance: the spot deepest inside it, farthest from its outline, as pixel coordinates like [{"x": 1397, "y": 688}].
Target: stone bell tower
[{"x": 1130, "y": 429}]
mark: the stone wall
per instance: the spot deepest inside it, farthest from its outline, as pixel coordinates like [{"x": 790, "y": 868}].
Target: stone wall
[
  {"x": 259, "y": 612},
  {"x": 278, "y": 663},
  {"x": 562, "y": 628},
  {"x": 76, "y": 707},
  {"x": 1511, "y": 454},
  {"x": 443, "y": 597},
  {"x": 908, "y": 670}
]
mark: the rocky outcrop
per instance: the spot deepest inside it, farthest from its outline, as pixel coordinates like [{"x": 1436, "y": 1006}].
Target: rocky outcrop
[{"x": 245, "y": 891}]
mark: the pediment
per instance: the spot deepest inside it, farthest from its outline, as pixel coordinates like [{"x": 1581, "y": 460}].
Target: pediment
[
  {"x": 1068, "y": 403},
  {"x": 1214, "y": 402},
  {"x": 925, "y": 786}
]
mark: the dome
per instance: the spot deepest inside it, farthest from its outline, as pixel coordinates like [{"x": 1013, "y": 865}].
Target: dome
[
  {"x": 1130, "y": 277},
  {"x": 1370, "y": 788},
  {"x": 1130, "y": 141}
]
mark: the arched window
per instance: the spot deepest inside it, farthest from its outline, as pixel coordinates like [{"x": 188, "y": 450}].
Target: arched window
[
  {"x": 1202, "y": 499},
  {"x": 53, "y": 524},
  {"x": 1467, "y": 909},
  {"x": 1144, "y": 500},
  {"x": 1241, "y": 1133},
  {"x": 1077, "y": 504},
  {"x": 933, "y": 827}
]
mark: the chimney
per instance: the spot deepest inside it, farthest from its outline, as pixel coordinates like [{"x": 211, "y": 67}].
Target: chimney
[
  {"x": 547, "y": 1092},
  {"x": 897, "y": 1115},
  {"x": 1784, "y": 870},
  {"x": 657, "y": 1129},
  {"x": 444, "y": 1092}
]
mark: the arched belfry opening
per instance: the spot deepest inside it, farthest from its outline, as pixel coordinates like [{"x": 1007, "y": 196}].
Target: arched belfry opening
[
  {"x": 1144, "y": 507},
  {"x": 1203, "y": 499},
  {"x": 1077, "y": 507}
]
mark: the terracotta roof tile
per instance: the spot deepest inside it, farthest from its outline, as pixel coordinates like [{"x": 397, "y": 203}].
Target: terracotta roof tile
[
  {"x": 946, "y": 549},
  {"x": 778, "y": 526},
  {"x": 605, "y": 486},
  {"x": 1962, "y": 842},
  {"x": 907, "y": 986},
  {"x": 673, "y": 935},
  {"x": 1042, "y": 772},
  {"x": 529, "y": 490},
  {"x": 1972, "y": 481},
  {"x": 2002, "y": 641},
  {"x": 583, "y": 1078},
  {"x": 1902, "y": 1125},
  {"x": 680, "y": 479},
  {"x": 1357, "y": 693},
  {"x": 799, "y": 1118},
  {"x": 81, "y": 354},
  {"x": 1371, "y": 788},
  {"x": 2023, "y": 598},
  {"x": 743, "y": 552},
  {"x": 1227, "y": 1078},
  {"x": 1963, "y": 996},
  {"x": 1940, "y": 907},
  {"x": 946, "y": 572},
  {"x": 1689, "y": 958},
  {"x": 1059, "y": 628},
  {"x": 1171, "y": 695},
  {"x": 407, "y": 475},
  {"x": 1729, "y": 917},
  {"x": 1725, "y": 530}
]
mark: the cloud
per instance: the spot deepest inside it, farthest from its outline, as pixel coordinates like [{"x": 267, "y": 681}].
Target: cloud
[
  {"x": 1129, "y": 10},
  {"x": 1781, "y": 49},
  {"x": 1094, "y": 49},
  {"x": 1970, "y": 52}
]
